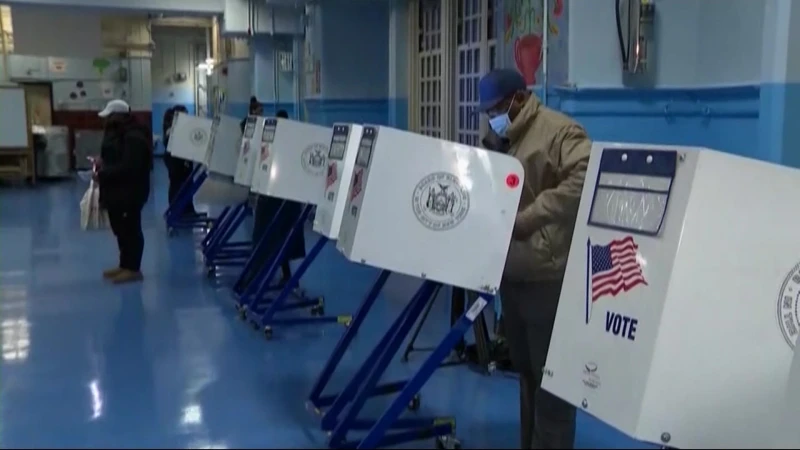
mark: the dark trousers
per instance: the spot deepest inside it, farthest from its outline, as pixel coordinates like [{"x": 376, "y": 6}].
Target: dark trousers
[
  {"x": 529, "y": 313},
  {"x": 178, "y": 171},
  {"x": 126, "y": 223}
]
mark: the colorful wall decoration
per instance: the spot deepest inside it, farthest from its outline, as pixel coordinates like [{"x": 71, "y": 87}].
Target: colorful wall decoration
[{"x": 522, "y": 23}]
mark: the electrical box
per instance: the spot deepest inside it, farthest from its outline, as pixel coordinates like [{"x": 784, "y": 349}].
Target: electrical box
[
  {"x": 292, "y": 161},
  {"x": 250, "y": 149},
  {"x": 223, "y": 146},
  {"x": 431, "y": 208},
  {"x": 678, "y": 312},
  {"x": 189, "y": 137},
  {"x": 341, "y": 162}
]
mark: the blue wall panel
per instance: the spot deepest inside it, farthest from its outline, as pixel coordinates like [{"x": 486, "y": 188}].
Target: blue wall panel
[
  {"x": 398, "y": 113},
  {"x": 779, "y": 134}
]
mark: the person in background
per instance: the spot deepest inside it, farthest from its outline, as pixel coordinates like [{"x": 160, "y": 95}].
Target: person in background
[
  {"x": 268, "y": 207},
  {"x": 178, "y": 170},
  {"x": 254, "y": 109},
  {"x": 554, "y": 150},
  {"x": 123, "y": 174}
]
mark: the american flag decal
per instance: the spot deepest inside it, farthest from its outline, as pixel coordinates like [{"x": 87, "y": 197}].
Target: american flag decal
[
  {"x": 356, "y": 188},
  {"x": 611, "y": 269},
  {"x": 264, "y": 152},
  {"x": 331, "y": 178}
]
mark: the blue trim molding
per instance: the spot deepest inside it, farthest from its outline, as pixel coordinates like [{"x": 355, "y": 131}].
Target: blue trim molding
[{"x": 723, "y": 118}]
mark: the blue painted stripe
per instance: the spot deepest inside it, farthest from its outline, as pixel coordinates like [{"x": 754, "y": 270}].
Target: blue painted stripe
[{"x": 721, "y": 102}]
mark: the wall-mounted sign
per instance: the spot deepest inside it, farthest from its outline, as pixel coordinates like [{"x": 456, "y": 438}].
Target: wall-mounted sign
[{"x": 58, "y": 65}]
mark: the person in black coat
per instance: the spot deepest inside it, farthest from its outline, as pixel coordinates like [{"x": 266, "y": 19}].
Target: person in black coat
[
  {"x": 178, "y": 170},
  {"x": 123, "y": 174},
  {"x": 266, "y": 208}
]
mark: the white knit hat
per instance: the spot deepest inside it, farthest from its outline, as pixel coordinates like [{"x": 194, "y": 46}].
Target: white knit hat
[{"x": 115, "y": 107}]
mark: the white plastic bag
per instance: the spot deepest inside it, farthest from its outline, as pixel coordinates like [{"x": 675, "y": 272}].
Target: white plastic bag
[{"x": 92, "y": 217}]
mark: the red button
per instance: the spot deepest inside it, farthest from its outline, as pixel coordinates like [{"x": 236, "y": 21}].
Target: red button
[{"x": 512, "y": 180}]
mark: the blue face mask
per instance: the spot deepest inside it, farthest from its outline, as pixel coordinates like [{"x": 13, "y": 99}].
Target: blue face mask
[{"x": 501, "y": 122}]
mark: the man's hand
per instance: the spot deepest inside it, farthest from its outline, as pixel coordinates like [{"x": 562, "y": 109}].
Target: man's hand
[
  {"x": 97, "y": 164},
  {"x": 518, "y": 234}
]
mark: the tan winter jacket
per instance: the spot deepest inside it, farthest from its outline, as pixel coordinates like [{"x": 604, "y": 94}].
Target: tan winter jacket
[{"x": 554, "y": 150}]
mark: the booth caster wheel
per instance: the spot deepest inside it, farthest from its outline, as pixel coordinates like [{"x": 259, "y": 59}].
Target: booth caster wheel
[
  {"x": 170, "y": 231},
  {"x": 415, "y": 403},
  {"x": 268, "y": 333},
  {"x": 448, "y": 442},
  {"x": 319, "y": 309},
  {"x": 491, "y": 368},
  {"x": 241, "y": 311}
]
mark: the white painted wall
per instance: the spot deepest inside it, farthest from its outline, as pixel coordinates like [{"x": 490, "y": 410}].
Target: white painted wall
[
  {"x": 178, "y": 50},
  {"x": 698, "y": 43},
  {"x": 65, "y": 32}
]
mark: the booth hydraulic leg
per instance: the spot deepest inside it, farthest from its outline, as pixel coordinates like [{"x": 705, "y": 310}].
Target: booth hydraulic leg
[
  {"x": 267, "y": 320},
  {"x": 171, "y": 208},
  {"x": 174, "y": 219},
  {"x": 377, "y": 437},
  {"x": 261, "y": 310},
  {"x": 256, "y": 276},
  {"x": 221, "y": 241},
  {"x": 366, "y": 383},
  {"x": 215, "y": 226},
  {"x": 330, "y": 420},
  {"x": 316, "y": 400}
]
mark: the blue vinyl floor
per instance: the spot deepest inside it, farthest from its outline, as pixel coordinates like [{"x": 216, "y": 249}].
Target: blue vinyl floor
[{"x": 167, "y": 364}]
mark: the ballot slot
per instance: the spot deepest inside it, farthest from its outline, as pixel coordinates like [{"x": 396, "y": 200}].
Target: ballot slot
[
  {"x": 223, "y": 150},
  {"x": 248, "y": 154},
  {"x": 363, "y": 157},
  {"x": 632, "y": 190},
  {"x": 258, "y": 183},
  {"x": 267, "y": 138},
  {"x": 341, "y": 158},
  {"x": 249, "y": 127},
  {"x": 365, "y": 147},
  {"x": 336, "y": 153},
  {"x": 212, "y": 136}
]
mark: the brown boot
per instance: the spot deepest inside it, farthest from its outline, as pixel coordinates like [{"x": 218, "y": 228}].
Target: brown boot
[
  {"x": 111, "y": 273},
  {"x": 127, "y": 276}
]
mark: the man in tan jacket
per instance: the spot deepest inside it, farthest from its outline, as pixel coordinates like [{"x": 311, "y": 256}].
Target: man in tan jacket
[{"x": 554, "y": 150}]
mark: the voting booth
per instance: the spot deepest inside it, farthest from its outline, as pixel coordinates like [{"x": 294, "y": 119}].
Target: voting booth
[
  {"x": 189, "y": 137},
  {"x": 222, "y": 157},
  {"x": 223, "y": 148},
  {"x": 340, "y": 165},
  {"x": 679, "y": 309},
  {"x": 430, "y": 208},
  {"x": 436, "y": 210},
  {"x": 291, "y": 165},
  {"x": 787, "y": 434},
  {"x": 250, "y": 150}
]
